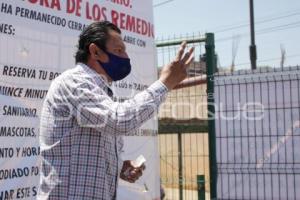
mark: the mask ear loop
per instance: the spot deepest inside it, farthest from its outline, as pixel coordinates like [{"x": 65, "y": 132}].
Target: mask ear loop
[{"x": 97, "y": 53}]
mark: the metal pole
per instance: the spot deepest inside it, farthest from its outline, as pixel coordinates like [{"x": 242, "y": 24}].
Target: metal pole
[
  {"x": 178, "y": 42},
  {"x": 180, "y": 167},
  {"x": 252, "y": 47},
  {"x": 201, "y": 187},
  {"x": 192, "y": 81},
  {"x": 211, "y": 66}
]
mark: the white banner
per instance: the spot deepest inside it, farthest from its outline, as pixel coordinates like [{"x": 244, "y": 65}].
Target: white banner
[
  {"x": 37, "y": 42},
  {"x": 257, "y": 131}
]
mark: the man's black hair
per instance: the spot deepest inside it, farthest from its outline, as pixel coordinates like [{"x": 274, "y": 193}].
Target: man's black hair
[{"x": 97, "y": 33}]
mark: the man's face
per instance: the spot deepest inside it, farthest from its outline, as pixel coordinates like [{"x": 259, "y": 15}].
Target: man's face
[{"x": 115, "y": 44}]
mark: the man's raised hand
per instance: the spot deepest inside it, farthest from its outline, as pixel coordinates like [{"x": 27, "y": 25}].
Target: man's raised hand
[{"x": 176, "y": 71}]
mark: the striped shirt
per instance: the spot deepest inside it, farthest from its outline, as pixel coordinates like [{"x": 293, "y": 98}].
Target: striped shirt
[{"x": 81, "y": 132}]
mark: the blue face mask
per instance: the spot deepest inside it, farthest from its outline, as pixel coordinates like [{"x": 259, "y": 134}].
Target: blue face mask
[{"x": 117, "y": 67}]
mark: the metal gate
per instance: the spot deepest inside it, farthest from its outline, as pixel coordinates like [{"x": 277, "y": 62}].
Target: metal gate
[{"x": 187, "y": 152}]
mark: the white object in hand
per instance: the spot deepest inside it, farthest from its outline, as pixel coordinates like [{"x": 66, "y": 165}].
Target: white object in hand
[{"x": 139, "y": 161}]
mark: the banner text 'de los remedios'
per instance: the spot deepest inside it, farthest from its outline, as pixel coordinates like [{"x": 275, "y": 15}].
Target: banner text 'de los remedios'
[{"x": 94, "y": 11}]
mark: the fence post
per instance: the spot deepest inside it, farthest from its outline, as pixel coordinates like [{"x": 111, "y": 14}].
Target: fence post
[
  {"x": 210, "y": 69},
  {"x": 201, "y": 187},
  {"x": 180, "y": 166}
]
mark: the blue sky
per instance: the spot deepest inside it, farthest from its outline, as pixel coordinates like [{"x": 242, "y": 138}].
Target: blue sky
[{"x": 277, "y": 24}]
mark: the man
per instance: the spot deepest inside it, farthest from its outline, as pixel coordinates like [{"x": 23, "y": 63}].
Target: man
[{"x": 81, "y": 125}]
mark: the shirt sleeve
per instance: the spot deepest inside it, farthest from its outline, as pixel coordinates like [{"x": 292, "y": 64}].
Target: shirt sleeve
[{"x": 93, "y": 108}]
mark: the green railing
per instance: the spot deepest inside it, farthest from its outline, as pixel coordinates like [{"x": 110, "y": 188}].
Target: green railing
[{"x": 187, "y": 140}]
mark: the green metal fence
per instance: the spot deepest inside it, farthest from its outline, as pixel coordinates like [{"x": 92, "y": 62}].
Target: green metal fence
[
  {"x": 242, "y": 127},
  {"x": 187, "y": 151},
  {"x": 258, "y": 133}
]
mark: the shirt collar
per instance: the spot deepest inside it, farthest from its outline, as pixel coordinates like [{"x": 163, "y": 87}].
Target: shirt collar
[{"x": 100, "y": 80}]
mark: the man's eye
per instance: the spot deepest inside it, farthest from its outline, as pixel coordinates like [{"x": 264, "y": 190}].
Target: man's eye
[{"x": 117, "y": 50}]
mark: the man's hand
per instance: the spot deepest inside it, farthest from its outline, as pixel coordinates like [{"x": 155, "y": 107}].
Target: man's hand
[
  {"x": 176, "y": 71},
  {"x": 130, "y": 173}
]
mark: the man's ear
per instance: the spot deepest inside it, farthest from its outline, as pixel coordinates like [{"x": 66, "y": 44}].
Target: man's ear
[{"x": 96, "y": 53}]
